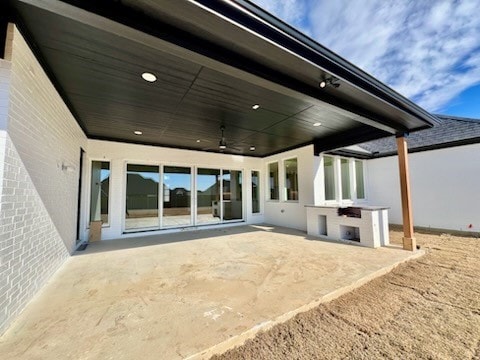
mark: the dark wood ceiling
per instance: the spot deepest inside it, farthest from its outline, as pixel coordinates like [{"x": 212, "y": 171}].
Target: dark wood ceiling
[{"x": 98, "y": 72}]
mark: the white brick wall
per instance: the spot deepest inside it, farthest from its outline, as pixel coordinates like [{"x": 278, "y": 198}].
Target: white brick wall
[
  {"x": 45, "y": 135},
  {"x": 5, "y": 71},
  {"x": 38, "y": 200},
  {"x": 31, "y": 248}
]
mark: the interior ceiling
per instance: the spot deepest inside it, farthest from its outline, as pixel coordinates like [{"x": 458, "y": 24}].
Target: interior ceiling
[{"x": 99, "y": 75}]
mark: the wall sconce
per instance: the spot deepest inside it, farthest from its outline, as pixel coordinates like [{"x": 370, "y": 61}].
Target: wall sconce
[{"x": 68, "y": 168}]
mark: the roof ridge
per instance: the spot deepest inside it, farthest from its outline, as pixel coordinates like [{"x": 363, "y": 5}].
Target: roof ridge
[{"x": 457, "y": 118}]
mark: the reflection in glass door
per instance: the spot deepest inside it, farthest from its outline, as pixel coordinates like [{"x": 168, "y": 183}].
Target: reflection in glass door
[
  {"x": 208, "y": 196},
  {"x": 232, "y": 195},
  {"x": 99, "y": 191},
  {"x": 176, "y": 209},
  {"x": 142, "y": 197}
]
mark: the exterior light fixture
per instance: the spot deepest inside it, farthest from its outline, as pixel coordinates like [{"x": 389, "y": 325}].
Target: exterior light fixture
[
  {"x": 198, "y": 140},
  {"x": 149, "y": 77},
  {"x": 255, "y": 107},
  {"x": 330, "y": 81},
  {"x": 138, "y": 132},
  {"x": 68, "y": 168},
  {"x": 317, "y": 124},
  {"x": 252, "y": 148},
  {"x": 222, "y": 144}
]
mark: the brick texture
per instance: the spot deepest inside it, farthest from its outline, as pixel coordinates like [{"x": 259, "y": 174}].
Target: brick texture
[{"x": 38, "y": 199}]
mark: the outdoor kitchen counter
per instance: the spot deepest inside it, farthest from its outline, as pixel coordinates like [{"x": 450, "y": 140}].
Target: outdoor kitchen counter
[{"x": 365, "y": 224}]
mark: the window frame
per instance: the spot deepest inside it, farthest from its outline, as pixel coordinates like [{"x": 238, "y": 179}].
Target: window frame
[
  {"x": 338, "y": 180},
  {"x": 259, "y": 189},
  {"x": 89, "y": 191},
  {"x": 335, "y": 177},
  {"x": 267, "y": 179},
  {"x": 285, "y": 197},
  {"x": 364, "y": 163}
]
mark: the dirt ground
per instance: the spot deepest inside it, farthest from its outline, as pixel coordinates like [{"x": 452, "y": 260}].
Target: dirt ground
[{"x": 425, "y": 309}]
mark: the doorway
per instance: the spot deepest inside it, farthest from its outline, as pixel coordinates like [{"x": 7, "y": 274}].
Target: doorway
[{"x": 164, "y": 197}]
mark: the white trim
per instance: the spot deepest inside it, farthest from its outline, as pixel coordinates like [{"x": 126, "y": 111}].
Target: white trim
[
  {"x": 285, "y": 181},
  {"x": 89, "y": 191},
  {"x": 338, "y": 181},
  {"x": 260, "y": 203},
  {"x": 267, "y": 179}
]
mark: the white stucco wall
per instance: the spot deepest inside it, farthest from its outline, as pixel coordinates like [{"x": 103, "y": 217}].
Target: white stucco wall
[
  {"x": 445, "y": 187},
  {"x": 119, "y": 154},
  {"x": 292, "y": 213}
]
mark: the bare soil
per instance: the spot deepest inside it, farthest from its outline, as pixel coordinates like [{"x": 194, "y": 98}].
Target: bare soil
[{"x": 424, "y": 309}]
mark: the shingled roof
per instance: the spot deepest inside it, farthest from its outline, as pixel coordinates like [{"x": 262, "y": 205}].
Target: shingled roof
[{"x": 451, "y": 131}]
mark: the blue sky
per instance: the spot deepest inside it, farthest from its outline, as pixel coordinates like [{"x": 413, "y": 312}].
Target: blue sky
[{"x": 427, "y": 50}]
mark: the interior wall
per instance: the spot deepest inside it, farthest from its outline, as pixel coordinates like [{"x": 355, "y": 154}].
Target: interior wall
[
  {"x": 444, "y": 185},
  {"x": 119, "y": 154},
  {"x": 292, "y": 213},
  {"x": 39, "y": 197}
]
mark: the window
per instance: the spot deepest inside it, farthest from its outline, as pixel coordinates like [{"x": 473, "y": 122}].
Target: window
[
  {"x": 273, "y": 180},
  {"x": 176, "y": 196},
  {"x": 100, "y": 185},
  {"x": 232, "y": 195},
  {"x": 219, "y": 196},
  {"x": 255, "y": 192},
  {"x": 208, "y": 196},
  {"x": 329, "y": 174},
  {"x": 291, "y": 179},
  {"x": 345, "y": 175},
  {"x": 142, "y": 196},
  {"x": 359, "y": 182},
  {"x": 344, "y": 179}
]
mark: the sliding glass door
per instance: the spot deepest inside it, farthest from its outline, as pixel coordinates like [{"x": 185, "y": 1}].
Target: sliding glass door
[
  {"x": 177, "y": 194},
  {"x": 232, "y": 195},
  {"x": 142, "y": 197},
  {"x": 208, "y": 196},
  {"x": 169, "y": 203}
]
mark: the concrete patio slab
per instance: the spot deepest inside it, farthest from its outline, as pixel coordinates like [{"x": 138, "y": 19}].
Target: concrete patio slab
[{"x": 186, "y": 295}]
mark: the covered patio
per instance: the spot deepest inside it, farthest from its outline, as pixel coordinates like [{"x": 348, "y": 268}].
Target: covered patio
[
  {"x": 155, "y": 117},
  {"x": 187, "y": 294}
]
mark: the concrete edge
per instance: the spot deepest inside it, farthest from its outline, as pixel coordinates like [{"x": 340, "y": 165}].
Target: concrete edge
[{"x": 240, "y": 339}]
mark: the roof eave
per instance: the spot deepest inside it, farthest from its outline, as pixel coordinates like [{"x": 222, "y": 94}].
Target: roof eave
[{"x": 334, "y": 63}]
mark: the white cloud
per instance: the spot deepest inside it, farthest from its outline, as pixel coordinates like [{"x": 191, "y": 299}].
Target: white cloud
[
  {"x": 291, "y": 11},
  {"x": 428, "y": 51}
]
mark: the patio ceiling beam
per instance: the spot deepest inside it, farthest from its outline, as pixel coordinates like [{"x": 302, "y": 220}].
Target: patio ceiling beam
[
  {"x": 183, "y": 45},
  {"x": 347, "y": 138},
  {"x": 409, "y": 242}
]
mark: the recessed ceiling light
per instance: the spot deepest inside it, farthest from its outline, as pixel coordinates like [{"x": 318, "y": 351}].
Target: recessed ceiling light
[
  {"x": 255, "y": 107},
  {"x": 149, "y": 77},
  {"x": 317, "y": 124},
  {"x": 138, "y": 132},
  {"x": 252, "y": 148},
  {"x": 198, "y": 140},
  {"x": 323, "y": 84}
]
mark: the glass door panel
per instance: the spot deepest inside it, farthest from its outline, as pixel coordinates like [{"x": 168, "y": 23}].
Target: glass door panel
[
  {"x": 142, "y": 197},
  {"x": 232, "y": 195},
  {"x": 99, "y": 192},
  {"x": 255, "y": 192},
  {"x": 208, "y": 196},
  {"x": 176, "y": 209}
]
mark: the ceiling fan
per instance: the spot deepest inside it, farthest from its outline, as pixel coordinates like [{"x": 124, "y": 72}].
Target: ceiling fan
[{"x": 222, "y": 143}]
